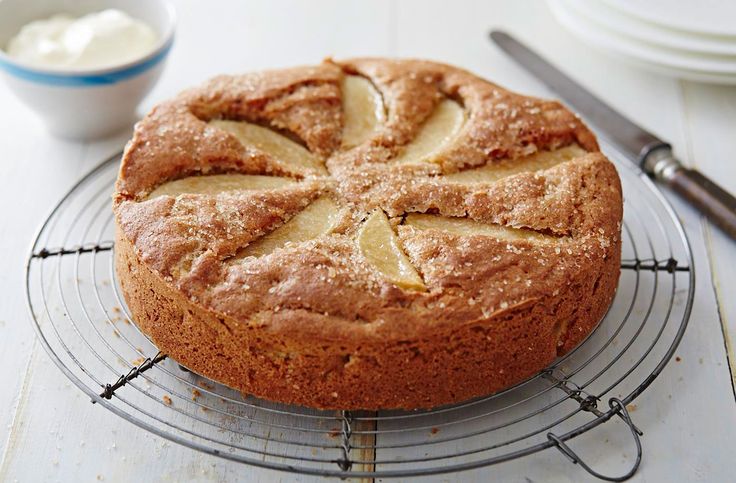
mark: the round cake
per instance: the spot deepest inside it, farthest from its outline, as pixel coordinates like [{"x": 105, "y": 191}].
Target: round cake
[{"x": 365, "y": 234}]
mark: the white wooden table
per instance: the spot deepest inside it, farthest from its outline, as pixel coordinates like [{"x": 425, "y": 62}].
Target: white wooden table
[{"x": 48, "y": 429}]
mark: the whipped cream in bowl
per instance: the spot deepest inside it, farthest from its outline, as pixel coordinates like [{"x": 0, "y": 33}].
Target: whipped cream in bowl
[
  {"x": 96, "y": 40},
  {"x": 84, "y": 66}
]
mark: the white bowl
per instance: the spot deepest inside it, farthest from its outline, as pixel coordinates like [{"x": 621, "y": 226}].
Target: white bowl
[{"x": 89, "y": 103}]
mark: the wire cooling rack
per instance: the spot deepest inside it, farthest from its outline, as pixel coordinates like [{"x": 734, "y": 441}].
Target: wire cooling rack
[{"x": 81, "y": 318}]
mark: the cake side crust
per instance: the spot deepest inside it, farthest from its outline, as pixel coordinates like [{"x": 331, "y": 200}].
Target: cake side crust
[{"x": 478, "y": 358}]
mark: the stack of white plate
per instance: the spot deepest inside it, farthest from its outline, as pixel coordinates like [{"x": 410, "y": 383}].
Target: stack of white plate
[{"x": 689, "y": 39}]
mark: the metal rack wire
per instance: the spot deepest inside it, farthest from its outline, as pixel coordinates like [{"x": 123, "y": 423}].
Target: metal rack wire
[{"x": 80, "y": 316}]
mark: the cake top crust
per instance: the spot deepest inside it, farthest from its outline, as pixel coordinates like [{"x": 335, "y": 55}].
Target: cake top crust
[{"x": 366, "y": 198}]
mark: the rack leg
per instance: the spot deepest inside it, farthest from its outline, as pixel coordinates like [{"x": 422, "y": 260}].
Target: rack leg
[{"x": 618, "y": 407}]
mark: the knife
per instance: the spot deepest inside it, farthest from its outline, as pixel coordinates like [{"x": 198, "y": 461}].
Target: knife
[{"x": 653, "y": 154}]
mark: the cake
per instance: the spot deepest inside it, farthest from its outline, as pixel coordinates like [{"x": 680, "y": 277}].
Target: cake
[{"x": 365, "y": 234}]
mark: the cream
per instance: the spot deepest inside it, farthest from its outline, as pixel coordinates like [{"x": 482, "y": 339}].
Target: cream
[{"x": 97, "y": 40}]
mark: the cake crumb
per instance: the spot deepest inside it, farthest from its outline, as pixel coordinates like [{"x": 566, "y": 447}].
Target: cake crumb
[{"x": 205, "y": 385}]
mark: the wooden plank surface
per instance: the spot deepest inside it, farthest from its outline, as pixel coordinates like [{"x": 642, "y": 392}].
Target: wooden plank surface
[
  {"x": 688, "y": 415},
  {"x": 710, "y": 116}
]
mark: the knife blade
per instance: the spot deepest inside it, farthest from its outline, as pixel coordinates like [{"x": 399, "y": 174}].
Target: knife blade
[{"x": 652, "y": 153}]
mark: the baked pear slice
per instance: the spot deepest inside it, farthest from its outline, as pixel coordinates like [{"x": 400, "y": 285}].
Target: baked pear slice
[
  {"x": 363, "y": 111},
  {"x": 494, "y": 171},
  {"x": 380, "y": 246},
  {"x": 441, "y": 127},
  {"x": 468, "y": 227},
  {"x": 219, "y": 183},
  {"x": 270, "y": 142},
  {"x": 319, "y": 218}
]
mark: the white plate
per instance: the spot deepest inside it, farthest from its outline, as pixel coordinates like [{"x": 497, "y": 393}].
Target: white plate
[
  {"x": 644, "y": 31},
  {"x": 705, "y": 17},
  {"x": 659, "y": 60},
  {"x": 697, "y": 76},
  {"x": 606, "y": 38}
]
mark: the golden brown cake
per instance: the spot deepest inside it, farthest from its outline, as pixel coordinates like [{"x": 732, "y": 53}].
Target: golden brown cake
[{"x": 365, "y": 234}]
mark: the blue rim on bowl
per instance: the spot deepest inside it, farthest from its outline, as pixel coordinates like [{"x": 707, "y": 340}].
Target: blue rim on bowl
[{"x": 94, "y": 77}]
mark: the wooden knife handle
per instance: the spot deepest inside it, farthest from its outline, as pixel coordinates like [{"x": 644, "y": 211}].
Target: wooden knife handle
[{"x": 715, "y": 202}]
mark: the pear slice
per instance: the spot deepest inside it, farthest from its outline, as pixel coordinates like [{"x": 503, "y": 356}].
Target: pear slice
[
  {"x": 536, "y": 162},
  {"x": 362, "y": 107},
  {"x": 269, "y": 141},
  {"x": 380, "y": 246},
  {"x": 468, "y": 227},
  {"x": 219, "y": 183},
  {"x": 438, "y": 130},
  {"x": 319, "y": 218}
]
